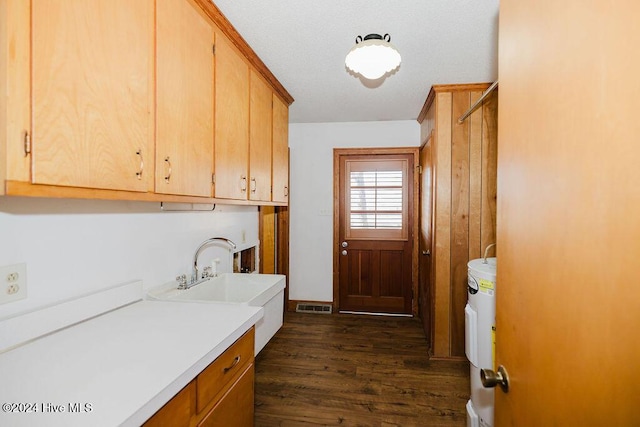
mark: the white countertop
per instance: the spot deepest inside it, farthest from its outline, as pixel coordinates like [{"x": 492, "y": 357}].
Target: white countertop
[{"x": 118, "y": 368}]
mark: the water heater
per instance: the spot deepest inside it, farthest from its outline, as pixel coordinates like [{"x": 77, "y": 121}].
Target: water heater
[{"x": 480, "y": 321}]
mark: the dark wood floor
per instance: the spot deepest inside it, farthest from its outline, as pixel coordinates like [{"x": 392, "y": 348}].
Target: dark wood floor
[{"x": 353, "y": 370}]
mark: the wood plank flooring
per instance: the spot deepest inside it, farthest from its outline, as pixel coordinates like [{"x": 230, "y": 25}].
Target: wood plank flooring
[{"x": 356, "y": 370}]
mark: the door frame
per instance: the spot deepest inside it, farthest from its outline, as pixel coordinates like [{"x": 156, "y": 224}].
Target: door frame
[
  {"x": 413, "y": 228},
  {"x": 426, "y": 303}
]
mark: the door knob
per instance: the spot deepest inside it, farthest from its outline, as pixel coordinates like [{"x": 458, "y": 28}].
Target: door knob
[
  {"x": 345, "y": 244},
  {"x": 491, "y": 379},
  {"x": 344, "y": 252}
]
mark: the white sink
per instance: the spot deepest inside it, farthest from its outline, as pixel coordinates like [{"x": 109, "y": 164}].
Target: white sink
[{"x": 257, "y": 290}]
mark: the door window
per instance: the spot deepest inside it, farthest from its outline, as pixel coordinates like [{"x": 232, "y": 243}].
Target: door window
[{"x": 376, "y": 199}]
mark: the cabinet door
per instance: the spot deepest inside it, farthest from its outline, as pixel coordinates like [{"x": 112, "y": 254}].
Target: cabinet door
[
  {"x": 260, "y": 139},
  {"x": 92, "y": 92},
  {"x": 15, "y": 91},
  {"x": 178, "y": 411},
  {"x": 280, "y": 151},
  {"x": 231, "y": 121},
  {"x": 184, "y": 139},
  {"x": 236, "y": 406}
]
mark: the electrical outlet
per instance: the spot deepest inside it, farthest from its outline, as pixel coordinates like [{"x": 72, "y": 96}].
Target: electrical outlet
[{"x": 13, "y": 282}]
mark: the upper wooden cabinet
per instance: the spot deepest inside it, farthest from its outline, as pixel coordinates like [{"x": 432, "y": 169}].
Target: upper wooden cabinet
[
  {"x": 250, "y": 127},
  {"x": 92, "y": 93},
  {"x": 231, "y": 121},
  {"x": 280, "y": 151},
  {"x": 121, "y": 99},
  {"x": 184, "y": 81},
  {"x": 260, "y": 120}
]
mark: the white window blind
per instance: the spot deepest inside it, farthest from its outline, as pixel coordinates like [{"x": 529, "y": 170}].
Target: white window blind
[{"x": 376, "y": 200}]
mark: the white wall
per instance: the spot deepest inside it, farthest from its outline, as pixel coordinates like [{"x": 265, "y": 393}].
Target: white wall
[
  {"x": 311, "y": 196},
  {"x": 73, "y": 247}
]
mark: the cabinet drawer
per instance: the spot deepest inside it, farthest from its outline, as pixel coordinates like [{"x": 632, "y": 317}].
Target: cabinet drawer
[{"x": 216, "y": 378}]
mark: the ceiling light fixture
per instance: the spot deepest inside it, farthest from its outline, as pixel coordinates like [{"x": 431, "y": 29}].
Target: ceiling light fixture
[{"x": 373, "y": 56}]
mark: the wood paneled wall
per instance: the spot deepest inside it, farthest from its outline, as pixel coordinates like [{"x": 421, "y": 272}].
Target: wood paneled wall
[
  {"x": 282, "y": 247},
  {"x": 273, "y": 233},
  {"x": 267, "y": 231},
  {"x": 464, "y": 165}
]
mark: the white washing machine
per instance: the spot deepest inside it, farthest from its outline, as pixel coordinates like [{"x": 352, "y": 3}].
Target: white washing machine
[{"x": 480, "y": 321}]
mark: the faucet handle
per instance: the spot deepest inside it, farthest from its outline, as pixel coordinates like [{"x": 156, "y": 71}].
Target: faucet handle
[
  {"x": 182, "y": 281},
  {"x": 208, "y": 272}
]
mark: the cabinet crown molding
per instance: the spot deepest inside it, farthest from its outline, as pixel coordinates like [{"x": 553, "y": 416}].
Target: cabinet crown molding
[
  {"x": 221, "y": 21},
  {"x": 447, "y": 88}
]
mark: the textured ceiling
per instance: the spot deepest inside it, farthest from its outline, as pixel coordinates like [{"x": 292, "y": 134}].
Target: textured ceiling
[{"x": 304, "y": 44}]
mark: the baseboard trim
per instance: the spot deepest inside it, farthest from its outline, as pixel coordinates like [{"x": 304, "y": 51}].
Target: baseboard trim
[{"x": 449, "y": 358}]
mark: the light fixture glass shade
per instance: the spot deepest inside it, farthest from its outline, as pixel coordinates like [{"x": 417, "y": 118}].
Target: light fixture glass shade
[{"x": 373, "y": 56}]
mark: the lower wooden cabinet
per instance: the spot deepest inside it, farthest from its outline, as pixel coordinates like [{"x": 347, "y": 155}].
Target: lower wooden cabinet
[
  {"x": 178, "y": 411},
  {"x": 235, "y": 408},
  {"x": 221, "y": 395}
]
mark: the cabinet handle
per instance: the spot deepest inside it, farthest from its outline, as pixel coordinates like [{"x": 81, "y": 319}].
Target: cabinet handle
[
  {"x": 254, "y": 185},
  {"x": 243, "y": 184},
  {"x": 286, "y": 191},
  {"x": 167, "y": 178},
  {"x": 139, "y": 173},
  {"x": 235, "y": 362},
  {"x": 27, "y": 144}
]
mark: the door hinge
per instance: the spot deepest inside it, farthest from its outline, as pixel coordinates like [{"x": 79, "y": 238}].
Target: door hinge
[
  {"x": 213, "y": 178},
  {"x": 213, "y": 49},
  {"x": 27, "y": 144},
  {"x": 420, "y": 169}
]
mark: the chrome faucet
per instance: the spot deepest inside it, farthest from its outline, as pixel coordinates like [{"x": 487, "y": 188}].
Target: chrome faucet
[{"x": 207, "y": 242}]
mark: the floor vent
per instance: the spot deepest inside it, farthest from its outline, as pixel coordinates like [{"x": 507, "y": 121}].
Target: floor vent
[{"x": 313, "y": 308}]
